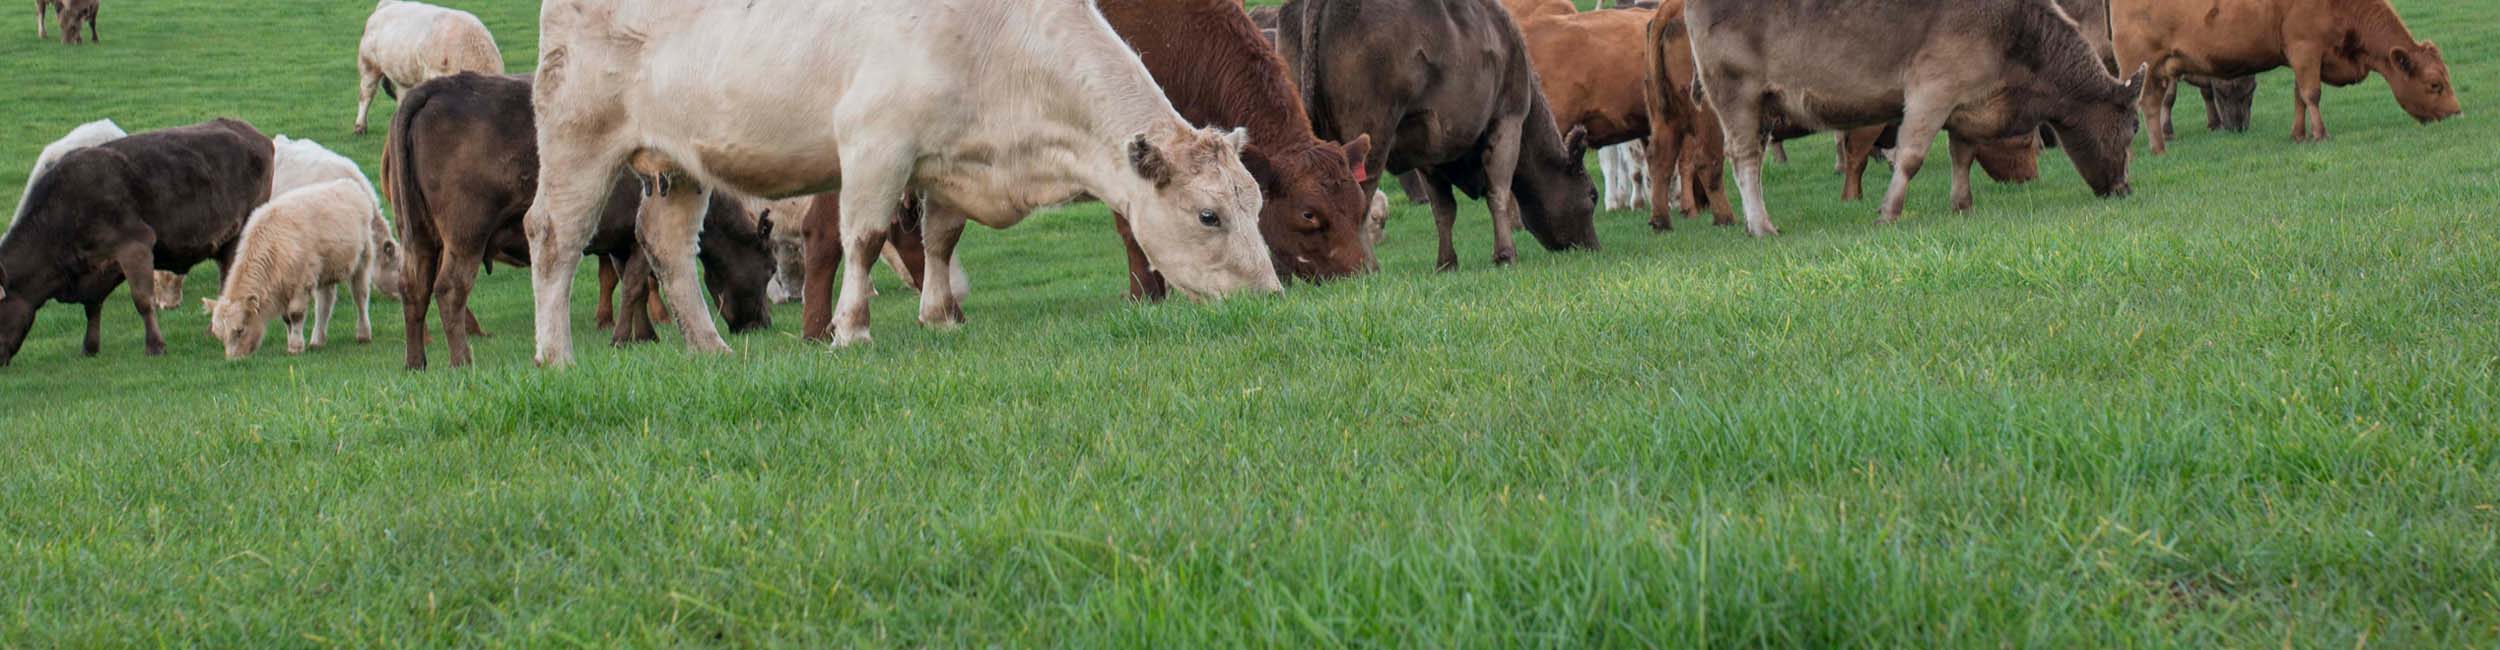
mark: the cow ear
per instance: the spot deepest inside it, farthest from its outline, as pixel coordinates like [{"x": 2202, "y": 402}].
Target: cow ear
[
  {"x": 2135, "y": 82},
  {"x": 1358, "y": 155},
  {"x": 1262, "y": 169},
  {"x": 208, "y": 305},
  {"x": 1239, "y": 138},
  {"x": 2403, "y": 58},
  {"x": 1576, "y": 143},
  {"x": 1149, "y": 162}
]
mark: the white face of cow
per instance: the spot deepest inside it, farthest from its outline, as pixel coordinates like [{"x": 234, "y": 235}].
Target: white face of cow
[
  {"x": 239, "y": 324},
  {"x": 1200, "y": 226}
]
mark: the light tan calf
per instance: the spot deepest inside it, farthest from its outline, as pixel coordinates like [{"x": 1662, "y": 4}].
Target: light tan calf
[
  {"x": 303, "y": 163},
  {"x": 989, "y": 109},
  {"x": 409, "y": 43},
  {"x": 296, "y": 251}
]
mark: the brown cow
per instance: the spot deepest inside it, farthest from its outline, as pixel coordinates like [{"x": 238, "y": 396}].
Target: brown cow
[
  {"x": 73, "y": 14},
  {"x": 1685, "y": 142},
  {"x": 1445, "y": 88},
  {"x": 2330, "y": 42},
  {"x": 2228, "y": 103},
  {"x": 1217, "y": 71},
  {"x": 1600, "y": 95},
  {"x": 823, "y": 252},
  {"x": 458, "y": 164},
  {"x": 120, "y": 211},
  {"x": 1984, "y": 68}
]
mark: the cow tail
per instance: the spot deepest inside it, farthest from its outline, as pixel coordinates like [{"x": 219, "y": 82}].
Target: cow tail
[
  {"x": 399, "y": 169},
  {"x": 1661, "y": 82}
]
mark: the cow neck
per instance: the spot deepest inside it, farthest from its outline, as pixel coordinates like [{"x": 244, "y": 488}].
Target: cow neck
[
  {"x": 1123, "y": 102},
  {"x": 2066, "y": 61},
  {"x": 1230, "y": 77},
  {"x": 2379, "y": 29}
]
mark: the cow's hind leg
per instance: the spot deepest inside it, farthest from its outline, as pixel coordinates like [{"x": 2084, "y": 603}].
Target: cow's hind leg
[
  {"x": 1741, "y": 125},
  {"x": 1666, "y": 152},
  {"x": 458, "y": 274},
  {"x": 95, "y": 329},
  {"x": 138, "y": 263},
  {"x": 1444, "y": 216},
  {"x": 605, "y": 314},
  {"x": 1501, "y": 164},
  {"x": 633, "y": 284},
  {"x": 360, "y": 289},
  {"x": 419, "y": 261},
  {"x": 1964, "y": 152},
  {"x": 668, "y": 226},
  {"x": 1921, "y": 119},
  {"x": 941, "y": 305},
  {"x": 573, "y": 186},
  {"x": 368, "y": 82}
]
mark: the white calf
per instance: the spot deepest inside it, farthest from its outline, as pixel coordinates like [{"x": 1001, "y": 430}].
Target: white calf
[{"x": 296, "y": 251}]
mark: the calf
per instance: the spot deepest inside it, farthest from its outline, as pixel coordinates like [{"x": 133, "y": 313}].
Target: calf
[
  {"x": 458, "y": 161},
  {"x": 296, "y": 253},
  {"x": 2228, "y": 103},
  {"x": 303, "y": 163},
  {"x": 1986, "y": 69},
  {"x": 409, "y": 43},
  {"x": 2330, "y": 42},
  {"x": 119, "y": 211},
  {"x": 1217, "y": 71},
  {"x": 988, "y": 109},
  {"x": 1445, "y": 88}
]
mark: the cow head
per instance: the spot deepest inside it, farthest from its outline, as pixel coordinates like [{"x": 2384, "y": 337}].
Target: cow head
[
  {"x": 2098, "y": 129},
  {"x": 2228, "y": 103},
  {"x": 1198, "y": 216},
  {"x": 2419, "y": 78},
  {"x": 16, "y": 315},
  {"x": 169, "y": 290},
  {"x": 738, "y": 266},
  {"x": 1557, "y": 201},
  {"x": 239, "y": 323},
  {"x": 1315, "y": 211},
  {"x": 386, "y": 261}
]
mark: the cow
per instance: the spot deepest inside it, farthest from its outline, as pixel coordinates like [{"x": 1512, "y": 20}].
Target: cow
[
  {"x": 303, "y": 163},
  {"x": 2013, "y": 160},
  {"x": 73, "y": 14},
  {"x": 2329, "y": 42},
  {"x": 2228, "y": 103},
  {"x": 409, "y": 43},
  {"x": 120, "y": 211},
  {"x": 1626, "y": 172},
  {"x": 458, "y": 161},
  {"x": 1985, "y": 69},
  {"x": 1445, "y": 88},
  {"x": 989, "y": 110},
  {"x": 1687, "y": 151},
  {"x": 296, "y": 253},
  {"x": 1217, "y": 71}
]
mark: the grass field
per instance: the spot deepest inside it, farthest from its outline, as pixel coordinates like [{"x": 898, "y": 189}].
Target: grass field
[{"x": 2253, "y": 405}]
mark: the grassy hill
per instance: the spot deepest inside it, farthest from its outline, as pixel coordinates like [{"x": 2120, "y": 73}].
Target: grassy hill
[{"x": 2253, "y": 405}]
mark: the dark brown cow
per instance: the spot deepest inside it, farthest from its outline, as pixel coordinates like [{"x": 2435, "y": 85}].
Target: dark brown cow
[
  {"x": 1218, "y": 72},
  {"x": 73, "y": 14},
  {"x": 1986, "y": 69},
  {"x": 459, "y": 167},
  {"x": 2228, "y": 103},
  {"x": 2329, "y": 42},
  {"x": 1445, "y": 88},
  {"x": 120, "y": 211}
]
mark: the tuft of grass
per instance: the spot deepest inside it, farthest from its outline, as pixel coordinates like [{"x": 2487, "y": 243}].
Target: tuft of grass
[{"x": 2250, "y": 406}]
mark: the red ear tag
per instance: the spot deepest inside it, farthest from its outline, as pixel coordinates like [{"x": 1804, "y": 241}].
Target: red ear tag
[{"x": 1362, "y": 175}]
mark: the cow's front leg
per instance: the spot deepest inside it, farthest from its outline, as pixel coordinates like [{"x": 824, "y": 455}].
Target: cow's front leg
[
  {"x": 1964, "y": 152},
  {"x": 572, "y": 188},
  {"x": 95, "y": 329},
  {"x": 671, "y": 223},
  {"x": 941, "y": 303},
  {"x": 1921, "y": 119},
  {"x": 869, "y": 200}
]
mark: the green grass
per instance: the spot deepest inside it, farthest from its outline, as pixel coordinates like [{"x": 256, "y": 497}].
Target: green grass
[{"x": 2251, "y": 406}]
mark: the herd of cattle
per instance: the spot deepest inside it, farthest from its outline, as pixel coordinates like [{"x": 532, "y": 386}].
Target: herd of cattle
[{"x": 696, "y": 146}]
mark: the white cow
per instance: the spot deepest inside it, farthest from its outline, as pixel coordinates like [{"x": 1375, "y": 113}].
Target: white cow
[
  {"x": 990, "y": 109},
  {"x": 295, "y": 253},
  {"x": 1626, "y": 168},
  {"x": 409, "y": 43},
  {"x": 86, "y": 135},
  {"x": 303, "y": 163}
]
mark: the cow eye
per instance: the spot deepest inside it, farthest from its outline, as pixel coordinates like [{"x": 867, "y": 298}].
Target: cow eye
[{"x": 1209, "y": 218}]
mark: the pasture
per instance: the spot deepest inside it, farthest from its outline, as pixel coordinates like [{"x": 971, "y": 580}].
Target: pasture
[{"x": 2252, "y": 405}]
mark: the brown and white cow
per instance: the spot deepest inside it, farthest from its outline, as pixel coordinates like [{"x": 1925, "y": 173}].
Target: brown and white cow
[
  {"x": 1986, "y": 69},
  {"x": 2325, "y": 42},
  {"x": 989, "y": 109},
  {"x": 409, "y": 43}
]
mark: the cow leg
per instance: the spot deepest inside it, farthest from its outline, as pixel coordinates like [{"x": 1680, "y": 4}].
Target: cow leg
[
  {"x": 2169, "y": 108},
  {"x": 1412, "y": 184},
  {"x": 42, "y": 17},
  {"x": 2153, "y": 105},
  {"x": 95, "y": 329},
  {"x": 1857, "y": 148},
  {"x": 820, "y": 252},
  {"x": 458, "y": 274},
  {"x": 418, "y": 262},
  {"x": 1921, "y": 119},
  {"x": 1144, "y": 283},
  {"x": 670, "y": 225},
  {"x": 633, "y": 325},
  {"x": 325, "y": 301},
  {"x": 941, "y": 304},
  {"x": 1740, "y": 124},
  {"x": 138, "y": 262},
  {"x": 605, "y": 316},
  {"x": 1779, "y": 152},
  {"x": 1964, "y": 152},
  {"x": 1444, "y": 218},
  {"x": 360, "y": 289},
  {"x": 2308, "y": 88},
  {"x": 368, "y": 83},
  {"x": 1666, "y": 152},
  {"x": 294, "y": 317},
  {"x": 1501, "y": 163},
  {"x": 571, "y": 192},
  {"x": 872, "y": 196}
]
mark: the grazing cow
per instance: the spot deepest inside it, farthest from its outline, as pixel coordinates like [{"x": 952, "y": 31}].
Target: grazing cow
[
  {"x": 735, "y": 253},
  {"x": 990, "y": 110},
  {"x": 2013, "y": 160},
  {"x": 296, "y": 252},
  {"x": 1986, "y": 69},
  {"x": 73, "y": 14},
  {"x": 1217, "y": 71},
  {"x": 409, "y": 43},
  {"x": 1445, "y": 88},
  {"x": 2228, "y": 103},
  {"x": 2330, "y": 42},
  {"x": 460, "y": 155},
  {"x": 120, "y": 211},
  {"x": 303, "y": 163},
  {"x": 788, "y": 245},
  {"x": 1625, "y": 168}
]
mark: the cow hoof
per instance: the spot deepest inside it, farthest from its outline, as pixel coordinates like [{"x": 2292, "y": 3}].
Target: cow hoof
[
  {"x": 363, "y": 339},
  {"x": 1505, "y": 258},
  {"x": 1445, "y": 265},
  {"x": 850, "y": 339},
  {"x": 546, "y": 359},
  {"x": 1661, "y": 225},
  {"x": 1763, "y": 230}
]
